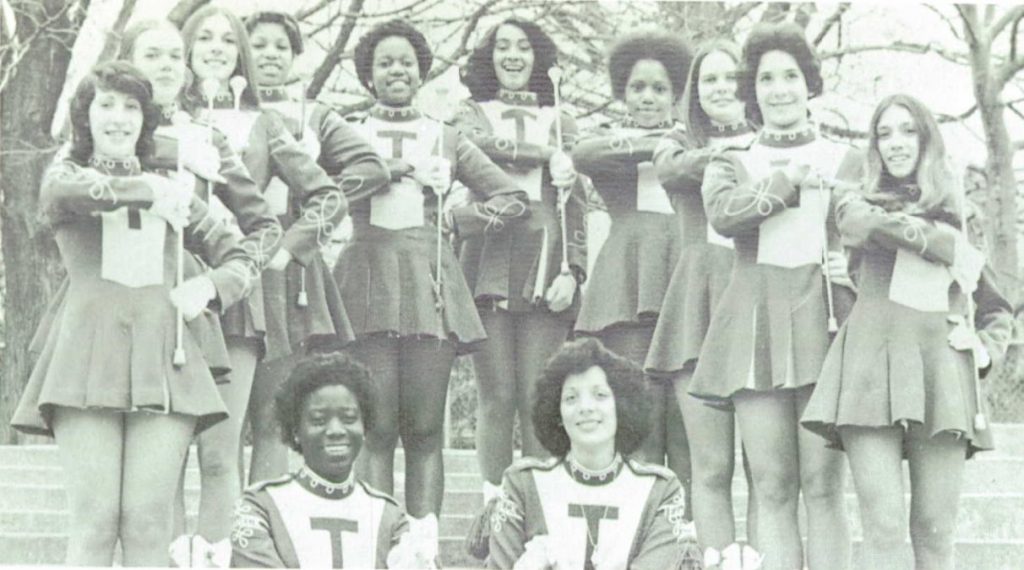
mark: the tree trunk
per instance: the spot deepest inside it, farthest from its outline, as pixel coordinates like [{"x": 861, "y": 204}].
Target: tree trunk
[
  {"x": 26, "y": 148},
  {"x": 1001, "y": 209}
]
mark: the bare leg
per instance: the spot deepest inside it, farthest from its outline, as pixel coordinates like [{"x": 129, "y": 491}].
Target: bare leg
[
  {"x": 426, "y": 366},
  {"x": 495, "y": 366},
  {"x": 769, "y": 430},
  {"x": 538, "y": 336},
  {"x": 713, "y": 435},
  {"x": 269, "y": 453},
  {"x": 154, "y": 449},
  {"x": 377, "y": 461},
  {"x": 936, "y": 475},
  {"x": 821, "y": 482},
  {"x": 90, "y": 443},
  {"x": 677, "y": 446},
  {"x": 876, "y": 461}
]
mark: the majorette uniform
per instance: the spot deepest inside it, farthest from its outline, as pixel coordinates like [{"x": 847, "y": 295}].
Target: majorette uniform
[
  {"x": 268, "y": 149},
  {"x": 629, "y": 516},
  {"x": 891, "y": 363},
  {"x": 770, "y": 329},
  {"x": 633, "y": 269},
  {"x": 239, "y": 194},
  {"x": 706, "y": 260},
  {"x": 513, "y": 269},
  {"x": 386, "y": 272},
  {"x": 309, "y": 292},
  {"x": 111, "y": 344},
  {"x": 303, "y": 521}
]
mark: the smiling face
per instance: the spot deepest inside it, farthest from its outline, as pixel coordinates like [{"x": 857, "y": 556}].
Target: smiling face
[
  {"x": 716, "y": 89},
  {"x": 271, "y": 53},
  {"x": 330, "y": 432},
  {"x": 899, "y": 142},
  {"x": 648, "y": 94},
  {"x": 781, "y": 91},
  {"x": 215, "y": 49},
  {"x": 115, "y": 122},
  {"x": 513, "y": 58},
  {"x": 159, "y": 54},
  {"x": 588, "y": 411},
  {"x": 396, "y": 72}
]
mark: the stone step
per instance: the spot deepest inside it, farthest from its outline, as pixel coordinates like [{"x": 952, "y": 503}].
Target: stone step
[
  {"x": 43, "y": 508},
  {"x": 40, "y": 548},
  {"x": 1009, "y": 440},
  {"x": 999, "y": 474}
]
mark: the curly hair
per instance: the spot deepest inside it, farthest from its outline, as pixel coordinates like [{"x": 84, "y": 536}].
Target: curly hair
[
  {"x": 392, "y": 28},
  {"x": 286, "y": 21},
  {"x": 787, "y": 37},
  {"x": 479, "y": 77},
  {"x": 668, "y": 49},
  {"x": 311, "y": 374},
  {"x": 626, "y": 380},
  {"x": 124, "y": 78},
  {"x": 697, "y": 122},
  {"x": 934, "y": 175},
  {"x": 244, "y": 66}
]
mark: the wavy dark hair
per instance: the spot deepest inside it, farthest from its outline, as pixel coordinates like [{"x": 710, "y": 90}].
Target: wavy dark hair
[
  {"x": 286, "y": 21},
  {"x": 392, "y": 28},
  {"x": 479, "y": 77},
  {"x": 124, "y": 78},
  {"x": 632, "y": 399},
  {"x": 697, "y": 122},
  {"x": 787, "y": 37},
  {"x": 668, "y": 49},
  {"x": 311, "y": 374},
  {"x": 933, "y": 173},
  {"x": 192, "y": 96}
]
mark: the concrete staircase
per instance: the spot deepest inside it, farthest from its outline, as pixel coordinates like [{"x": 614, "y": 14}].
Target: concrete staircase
[{"x": 990, "y": 536}]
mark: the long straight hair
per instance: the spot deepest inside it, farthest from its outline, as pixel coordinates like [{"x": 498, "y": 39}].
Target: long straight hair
[
  {"x": 697, "y": 122},
  {"x": 934, "y": 174},
  {"x": 193, "y": 97}
]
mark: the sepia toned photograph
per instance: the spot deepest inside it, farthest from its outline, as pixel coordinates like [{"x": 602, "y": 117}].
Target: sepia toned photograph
[{"x": 512, "y": 284}]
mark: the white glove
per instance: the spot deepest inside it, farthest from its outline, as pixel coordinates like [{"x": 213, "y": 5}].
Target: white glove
[
  {"x": 968, "y": 262},
  {"x": 559, "y": 295},
  {"x": 539, "y": 555},
  {"x": 192, "y": 296},
  {"x": 171, "y": 201},
  {"x": 434, "y": 172},
  {"x": 563, "y": 172},
  {"x": 963, "y": 337}
]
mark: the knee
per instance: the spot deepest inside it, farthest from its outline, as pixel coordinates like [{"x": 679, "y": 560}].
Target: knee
[
  {"x": 713, "y": 473},
  {"x": 822, "y": 485},
  {"x": 383, "y": 436},
  {"x": 218, "y": 461},
  {"x": 776, "y": 489},
  {"x": 884, "y": 525},
  {"x": 420, "y": 439},
  {"x": 933, "y": 531},
  {"x": 494, "y": 401},
  {"x": 98, "y": 527}
]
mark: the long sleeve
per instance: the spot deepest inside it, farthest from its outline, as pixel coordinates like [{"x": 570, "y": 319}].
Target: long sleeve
[
  {"x": 735, "y": 204},
  {"x": 498, "y": 200},
  {"x": 606, "y": 155},
  {"x": 863, "y": 224},
  {"x": 993, "y": 317},
  {"x": 576, "y": 230},
  {"x": 679, "y": 164},
  {"x": 346, "y": 156},
  {"x": 323, "y": 204},
  {"x": 508, "y": 524},
  {"x": 234, "y": 266},
  {"x": 252, "y": 544},
  {"x": 69, "y": 190},
  {"x": 665, "y": 528}
]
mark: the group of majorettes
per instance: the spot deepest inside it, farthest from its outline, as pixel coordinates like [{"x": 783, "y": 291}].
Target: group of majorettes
[{"x": 739, "y": 239}]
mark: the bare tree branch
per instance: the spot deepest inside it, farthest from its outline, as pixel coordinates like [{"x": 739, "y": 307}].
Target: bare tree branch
[
  {"x": 1012, "y": 15},
  {"x": 310, "y": 10},
  {"x": 183, "y": 9},
  {"x": 898, "y": 47},
  {"x": 323, "y": 72},
  {"x": 969, "y": 17},
  {"x": 1005, "y": 72},
  {"x": 946, "y": 19},
  {"x": 832, "y": 20},
  {"x": 113, "y": 40}
]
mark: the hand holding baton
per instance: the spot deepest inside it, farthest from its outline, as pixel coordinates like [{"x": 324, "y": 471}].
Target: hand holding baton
[{"x": 833, "y": 323}]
